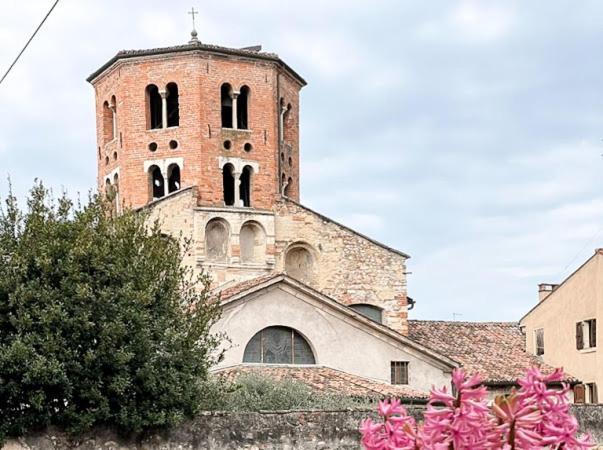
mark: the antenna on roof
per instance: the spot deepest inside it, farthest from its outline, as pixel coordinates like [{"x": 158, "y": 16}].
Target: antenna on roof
[
  {"x": 455, "y": 315},
  {"x": 194, "y": 39}
]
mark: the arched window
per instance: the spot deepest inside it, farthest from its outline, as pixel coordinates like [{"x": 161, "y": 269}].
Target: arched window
[
  {"x": 157, "y": 183},
  {"x": 252, "y": 241},
  {"x": 108, "y": 122},
  {"x": 216, "y": 240},
  {"x": 288, "y": 187},
  {"x": 369, "y": 311},
  {"x": 242, "y": 108},
  {"x": 299, "y": 263},
  {"x": 245, "y": 190},
  {"x": 226, "y": 101},
  {"x": 173, "y": 109},
  {"x": 173, "y": 178},
  {"x": 228, "y": 184},
  {"x": 288, "y": 125},
  {"x": 154, "y": 112},
  {"x": 278, "y": 345}
]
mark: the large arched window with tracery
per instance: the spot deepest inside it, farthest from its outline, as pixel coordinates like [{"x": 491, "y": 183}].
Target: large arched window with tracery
[{"x": 278, "y": 345}]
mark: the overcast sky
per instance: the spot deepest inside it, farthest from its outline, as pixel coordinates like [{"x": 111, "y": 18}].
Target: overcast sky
[{"x": 465, "y": 133}]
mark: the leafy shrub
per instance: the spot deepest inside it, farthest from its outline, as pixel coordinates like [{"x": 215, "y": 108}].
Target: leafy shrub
[
  {"x": 99, "y": 322},
  {"x": 253, "y": 392}
]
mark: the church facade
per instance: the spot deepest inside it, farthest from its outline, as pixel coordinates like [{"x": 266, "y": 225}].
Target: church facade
[{"x": 206, "y": 139}]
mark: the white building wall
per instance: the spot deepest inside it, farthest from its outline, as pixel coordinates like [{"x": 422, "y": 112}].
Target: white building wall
[{"x": 338, "y": 341}]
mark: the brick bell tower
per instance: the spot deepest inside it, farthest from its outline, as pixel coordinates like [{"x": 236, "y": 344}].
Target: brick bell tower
[{"x": 222, "y": 119}]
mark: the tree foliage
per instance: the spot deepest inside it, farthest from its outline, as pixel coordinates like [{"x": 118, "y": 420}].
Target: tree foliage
[{"x": 100, "y": 324}]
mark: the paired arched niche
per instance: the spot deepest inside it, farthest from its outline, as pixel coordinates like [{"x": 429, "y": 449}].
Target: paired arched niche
[
  {"x": 162, "y": 106},
  {"x": 163, "y": 178},
  {"x": 235, "y": 107},
  {"x": 237, "y": 187},
  {"x": 300, "y": 262},
  {"x": 278, "y": 345},
  {"x": 252, "y": 241}
]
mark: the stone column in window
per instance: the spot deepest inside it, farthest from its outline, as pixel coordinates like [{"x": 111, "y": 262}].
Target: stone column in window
[
  {"x": 234, "y": 96},
  {"x": 163, "y": 108},
  {"x": 281, "y": 122},
  {"x": 164, "y": 173},
  {"x": 237, "y": 189}
]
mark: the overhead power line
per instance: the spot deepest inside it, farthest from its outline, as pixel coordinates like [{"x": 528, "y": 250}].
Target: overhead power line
[{"x": 29, "y": 41}]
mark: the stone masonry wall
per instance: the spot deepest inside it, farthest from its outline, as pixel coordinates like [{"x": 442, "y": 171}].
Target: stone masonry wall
[
  {"x": 175, "y": 214},
  {"x": 301, "y": 430},
  {"x": 350, "y": 268}
]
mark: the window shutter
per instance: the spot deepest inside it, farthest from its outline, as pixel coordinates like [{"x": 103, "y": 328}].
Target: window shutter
[
  {"x": 579, "y": 393},
  {"x": 595, "y": 398},
  {"x": 579, "y": 336},
  {"x": 539, "y": 342},
  {"x": 593, "y": 333}
]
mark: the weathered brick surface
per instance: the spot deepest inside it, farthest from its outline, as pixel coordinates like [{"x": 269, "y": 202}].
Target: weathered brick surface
[{"x": 200, "y": 138}]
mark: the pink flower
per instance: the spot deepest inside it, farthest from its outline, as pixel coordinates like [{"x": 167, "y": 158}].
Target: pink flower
[{"x": 533, "y": 417}]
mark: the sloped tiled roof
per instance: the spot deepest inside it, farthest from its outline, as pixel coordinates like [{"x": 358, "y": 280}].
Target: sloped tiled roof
[
  {"x": 325, "y": 379},
  {"x": 233, "y": 289},
  {"x": 495, "y": 350}
]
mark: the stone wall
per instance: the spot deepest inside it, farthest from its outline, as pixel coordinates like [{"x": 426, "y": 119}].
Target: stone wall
[
  {"x": 590, "y": 418},
  {"x": 302, "y": 430},
  {"x": 349, "y": 267}
]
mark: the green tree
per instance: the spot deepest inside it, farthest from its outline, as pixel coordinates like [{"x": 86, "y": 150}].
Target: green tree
[{"x": 100, "y": 324}]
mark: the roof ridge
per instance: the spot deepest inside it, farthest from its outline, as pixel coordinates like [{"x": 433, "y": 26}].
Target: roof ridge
[
  {"x": 196, "y": 46},
  {"x": 358, "y": 233},
  {"x": 457, "y": 322}
]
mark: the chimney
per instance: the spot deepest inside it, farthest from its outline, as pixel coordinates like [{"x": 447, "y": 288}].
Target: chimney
[{"x": 545, "y": 289}]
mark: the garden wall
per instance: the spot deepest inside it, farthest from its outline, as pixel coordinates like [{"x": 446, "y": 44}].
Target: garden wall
[{"x": 301, "y": 430}]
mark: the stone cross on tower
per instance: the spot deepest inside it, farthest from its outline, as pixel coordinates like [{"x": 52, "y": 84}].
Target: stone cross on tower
[{"x": 192, "y": 12}]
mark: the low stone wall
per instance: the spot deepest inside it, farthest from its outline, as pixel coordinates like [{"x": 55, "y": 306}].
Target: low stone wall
[
  {"x": 284, "y": 430},
  {"x": 590, "y": 418}
]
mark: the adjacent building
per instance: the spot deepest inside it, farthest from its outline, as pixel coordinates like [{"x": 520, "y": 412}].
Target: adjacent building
[{"x": 561, "y": 328}]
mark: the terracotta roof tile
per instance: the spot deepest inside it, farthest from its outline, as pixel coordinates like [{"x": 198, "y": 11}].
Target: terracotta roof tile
[
  {"x": 326, "y": 379},
  {"x": 225, "y": 292},
  {"x": 495, "y": 350}
]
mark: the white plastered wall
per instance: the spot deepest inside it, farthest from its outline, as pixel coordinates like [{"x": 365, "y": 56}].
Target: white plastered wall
[{"x": 338, "y": 341}]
